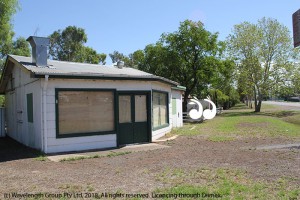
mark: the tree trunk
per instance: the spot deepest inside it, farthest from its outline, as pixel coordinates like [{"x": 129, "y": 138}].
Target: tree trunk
[
  {"x": 250, "y": 102},
  {"x": 258, "y": 104},
  {"x": 184, "y": 103},
  {"x": 216, "y": 98},
  {"x": 255, "y": 97}
]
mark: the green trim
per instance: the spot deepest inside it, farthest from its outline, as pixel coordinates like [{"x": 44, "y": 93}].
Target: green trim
[
  {"x": 148, "y": 102},
  {"x": 160, "y": 127},
  {"x": 29, "y": 98},
  {"x": 85, "y": 134},
  {"x": 167, "y": 101},
  {"x": 179, "y": 87},
  {"x": 57, "y": 90},
  {"x": 160, "y": 79}
]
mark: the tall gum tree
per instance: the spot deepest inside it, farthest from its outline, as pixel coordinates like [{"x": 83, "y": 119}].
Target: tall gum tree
[
  {"x": 257, "y": 48},
  {"x": 68, "y": 45},
  {"x": 187, "y": 56}
]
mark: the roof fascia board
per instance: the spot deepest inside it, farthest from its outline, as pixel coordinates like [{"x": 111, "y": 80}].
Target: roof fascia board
[{"x": 103, "y": 78}]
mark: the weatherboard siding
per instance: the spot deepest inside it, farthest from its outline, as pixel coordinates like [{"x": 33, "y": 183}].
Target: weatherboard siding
[
  {"x": 75, "y": 144},
  {"x": 18, "y": 127},
  {"x": 178, "y": 122},
  {"x": 97, "y": 141}
]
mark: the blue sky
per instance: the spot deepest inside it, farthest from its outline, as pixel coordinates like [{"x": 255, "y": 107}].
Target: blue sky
[{"x": 129, "y": 25}]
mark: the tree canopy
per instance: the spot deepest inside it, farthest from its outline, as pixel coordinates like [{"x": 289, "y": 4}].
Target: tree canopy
[
  {"x": 190, "y": 56},
  {"x": 262, "y": 52},
  {"x": 68, "y": 45},
  {"x": 7, "y": 9},
  {"x": 21, "y": 47},
  {"x": 7, "y": 46}
]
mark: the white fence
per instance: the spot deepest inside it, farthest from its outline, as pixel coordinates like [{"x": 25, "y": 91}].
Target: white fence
[{"x": 2, "y": 122}]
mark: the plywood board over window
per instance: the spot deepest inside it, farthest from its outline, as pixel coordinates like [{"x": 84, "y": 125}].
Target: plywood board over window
[{"x": 82, "y": 112}]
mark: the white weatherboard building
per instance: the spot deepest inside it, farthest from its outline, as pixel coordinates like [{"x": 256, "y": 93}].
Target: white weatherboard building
[{"x": 59, "y": 106}]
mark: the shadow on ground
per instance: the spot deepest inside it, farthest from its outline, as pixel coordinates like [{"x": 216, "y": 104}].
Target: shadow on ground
[{"x": 12, "y": 150}]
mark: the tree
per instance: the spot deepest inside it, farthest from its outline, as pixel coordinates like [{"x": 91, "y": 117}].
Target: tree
[
  {"x": 68, "y": 45},
  {"x": 154, "y": 60},
  {"x": 188, "y": 56},
  {"x": 117, "y": 56},
  {"x": 7, "y": 9},
  {"x": 221, "y": 89},
  {"x": 257, "y": 49},
  {"x": 295, "y": 80},
  {"x": 89, "y": 55},
  {"x": 21, "y": 47},
  {"x": 136, "y": 58},
  {"x": 132, "y": 60}
]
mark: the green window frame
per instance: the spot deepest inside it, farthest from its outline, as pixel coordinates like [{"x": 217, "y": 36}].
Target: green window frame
[
  {"x": 29, "y": 98},
  {"x": 160, "y": 109},
  {"x": 88, "y": 100}
]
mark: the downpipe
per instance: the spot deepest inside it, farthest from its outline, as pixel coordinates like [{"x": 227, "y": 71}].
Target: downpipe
[{"x": 45, "y": 131}]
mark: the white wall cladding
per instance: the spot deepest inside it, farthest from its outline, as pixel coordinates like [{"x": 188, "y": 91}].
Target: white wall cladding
[
  {"x": 81, "y": 143},
  {"x": 160, "y": 132},
  {"x": 178, "y": 121},
  {"x": 31, "y": 134},
  {"x": 97, "y": 141},
  {"x": 18, "y": 126}
]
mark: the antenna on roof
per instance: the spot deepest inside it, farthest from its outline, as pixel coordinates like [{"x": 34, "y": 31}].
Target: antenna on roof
[{"x": 36, "y": 30}]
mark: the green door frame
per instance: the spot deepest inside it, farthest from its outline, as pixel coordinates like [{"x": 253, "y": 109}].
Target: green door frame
[{"x": 149, "y": 119}]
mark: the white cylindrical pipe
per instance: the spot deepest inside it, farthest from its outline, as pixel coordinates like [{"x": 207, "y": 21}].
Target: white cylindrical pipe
[{"x": 45, "y": 132}]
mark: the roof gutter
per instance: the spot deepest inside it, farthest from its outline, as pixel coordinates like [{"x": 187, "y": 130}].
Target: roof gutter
[{"x": 160, "y": 79}]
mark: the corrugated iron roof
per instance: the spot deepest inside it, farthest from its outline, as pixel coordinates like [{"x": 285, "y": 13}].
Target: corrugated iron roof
[{"x": 58, "y": 69}]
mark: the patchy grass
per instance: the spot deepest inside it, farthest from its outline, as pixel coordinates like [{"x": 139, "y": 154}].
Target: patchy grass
[
  {"x": 80, "y": 158},
  {"x": 220, "y": 138},
  {"x": 243, "y": 122},
  {"x": 41, "y": 157},
  {"x": 294, "y": 119},
  {"x": 121, "y": 153},
  {"x": 112, "y": 154},
  {"x": 226, "y": 184}
]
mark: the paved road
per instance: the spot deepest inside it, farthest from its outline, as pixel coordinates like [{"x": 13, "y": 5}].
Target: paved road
[{"x": 288, "y": 105}]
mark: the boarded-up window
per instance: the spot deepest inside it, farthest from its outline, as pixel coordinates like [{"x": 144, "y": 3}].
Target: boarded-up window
[
  {"x": 85, "y": 111},
  {"x": 160, "y": 109},
  {"x": 29, "y": 98}
]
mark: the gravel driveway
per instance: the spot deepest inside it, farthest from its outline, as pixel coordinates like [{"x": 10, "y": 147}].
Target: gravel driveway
[{"x": 140, "y": 171}]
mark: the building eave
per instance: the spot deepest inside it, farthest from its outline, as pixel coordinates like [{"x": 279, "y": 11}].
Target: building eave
[{"x": 105, "y": 77}]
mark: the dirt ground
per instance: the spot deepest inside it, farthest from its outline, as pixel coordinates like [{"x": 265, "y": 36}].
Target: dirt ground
[{"x": 141, "y": 171}]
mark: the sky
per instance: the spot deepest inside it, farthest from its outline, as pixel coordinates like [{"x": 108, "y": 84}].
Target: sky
[{"x": 130, "y": 25}]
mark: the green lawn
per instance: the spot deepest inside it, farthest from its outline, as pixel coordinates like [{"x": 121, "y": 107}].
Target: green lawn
[
  {"x": 226, "y": 184},
  {"x": 238, "y": 122},
  {"x": 243, "y": 122}
]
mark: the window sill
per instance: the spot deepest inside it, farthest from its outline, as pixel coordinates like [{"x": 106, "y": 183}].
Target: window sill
[
  {"x": 71, "y": 135},
  {"x": 160, "y": 127}
]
